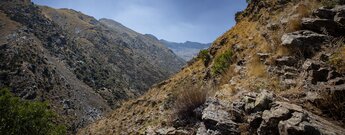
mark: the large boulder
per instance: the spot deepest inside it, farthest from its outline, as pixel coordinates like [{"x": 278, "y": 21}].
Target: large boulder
[
  {"x": 263, "y": 115},
  {"x": 217, "y": 119},
  {"x": 328, "y": 26},
  {"x": 261, "y": 102},
  {"x": 271, "y": 119},
  {"x": 307, "y": 123},
  {"x": 289, "y": 119},
  {"x": 303, "y": 38},
  {"x": 304, "y": 41}
]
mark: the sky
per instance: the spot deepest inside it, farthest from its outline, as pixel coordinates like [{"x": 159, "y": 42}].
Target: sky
[{"x": 173, "y": 20}]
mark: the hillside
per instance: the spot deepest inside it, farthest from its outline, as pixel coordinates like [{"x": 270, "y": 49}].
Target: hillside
[
  {"x": 186, "y": 50},
  {"x": 82, "y": 66},
  {"x": 279, "y": 70}
]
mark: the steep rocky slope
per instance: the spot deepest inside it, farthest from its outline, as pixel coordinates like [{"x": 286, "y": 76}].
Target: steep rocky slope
[
  {"x": 186, "y": 50},
  {"x": 83, "y": 67},
  {"x": 279, "y": 70}
]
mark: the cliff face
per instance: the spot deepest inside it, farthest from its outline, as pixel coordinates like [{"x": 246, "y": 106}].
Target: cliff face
[
  {"x": 83, "y": 67},
  {"x": 279, "y": 70}
]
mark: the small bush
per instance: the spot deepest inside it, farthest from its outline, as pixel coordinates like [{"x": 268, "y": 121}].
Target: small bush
[
  {"x": 337, "y": 60},
  {"x": 222, "y": 62},
  {"x": 19, "y": 117},
  {"x": 205, "y": 57},
  {"x": 187, "y": 101},
  {"x": 238, "y": 16}
]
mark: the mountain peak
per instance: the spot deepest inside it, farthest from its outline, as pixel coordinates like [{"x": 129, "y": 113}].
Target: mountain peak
[
  {"x": 151, "y": 36},
  {"x": 110, "y": 21}
]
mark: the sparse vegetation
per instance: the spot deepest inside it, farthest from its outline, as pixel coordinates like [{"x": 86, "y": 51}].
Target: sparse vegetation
[
  {"x": 301, "y": 11},
  {"x": 332, "y": 3},
  {"x": 338, "y": 59},
  {"x": 222, "y": 62},
  {"x": 205, "y": 57},
  {"x": 187, "y": 101},
  {"x": 19, "y": 117},
  {"x": 238, "y": 16}
]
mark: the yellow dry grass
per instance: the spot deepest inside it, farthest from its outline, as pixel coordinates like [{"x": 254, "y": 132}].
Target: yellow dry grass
[
  {"x": 75, "y": 19},
  {"x": 247, "y": 38},
  {"x": 338, "y": 59}
]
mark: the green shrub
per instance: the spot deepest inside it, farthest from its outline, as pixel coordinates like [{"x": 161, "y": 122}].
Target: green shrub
[
  {"x": 222, "y": 62},
  {"x": 205, "y": 57},
  {"x": 238, "y": 16},
  {"x": 337, "y": 60},
  {"x": 18, "y": 117},
  {"x": 332, "y": 3}
]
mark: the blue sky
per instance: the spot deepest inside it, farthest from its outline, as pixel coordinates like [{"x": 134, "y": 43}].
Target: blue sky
[{"x": 172, "y": 20}]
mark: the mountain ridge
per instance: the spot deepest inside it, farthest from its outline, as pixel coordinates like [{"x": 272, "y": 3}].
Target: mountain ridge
[{"x": 80, "y": 65}]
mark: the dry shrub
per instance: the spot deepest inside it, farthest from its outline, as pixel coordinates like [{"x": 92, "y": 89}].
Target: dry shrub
[
  {"x": 302, "y": 10},
  {"x": 337, "y": 59},
  {"x": 294, "y": 25},
  {"x": 227, "y": 75},
  {"x": 186, "y": 102},
  {"x": 256, "y": 68}
]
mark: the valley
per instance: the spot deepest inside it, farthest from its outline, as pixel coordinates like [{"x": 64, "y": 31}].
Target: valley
[{"x": 279, "y": 70}]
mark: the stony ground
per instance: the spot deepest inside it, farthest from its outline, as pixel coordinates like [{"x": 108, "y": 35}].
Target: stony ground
[{"x": 286, "y": 76}]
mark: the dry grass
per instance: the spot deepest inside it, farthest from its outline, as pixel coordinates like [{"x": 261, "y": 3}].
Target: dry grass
[
  {"x": 186, "y": 102},
  {"x": 337, "y": 59},
  {"x": 295, "y": 23},
  {"x": 256, "y": 68},
  {"x": 227, "y": 75}
]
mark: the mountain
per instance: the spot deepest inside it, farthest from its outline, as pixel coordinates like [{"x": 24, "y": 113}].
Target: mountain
[
  {"x": 82, "y": 66},
  {"x": 279, "y": 70},
  {"x": 186, "y": 50}
]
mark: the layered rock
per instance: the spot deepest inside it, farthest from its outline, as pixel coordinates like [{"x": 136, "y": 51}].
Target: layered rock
[{"x": 270, "y": 117}]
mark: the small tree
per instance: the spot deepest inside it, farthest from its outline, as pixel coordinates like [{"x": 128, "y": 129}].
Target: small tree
[
  {"x": 204, "y": 56},
  {"x": 18, "y": 117}
]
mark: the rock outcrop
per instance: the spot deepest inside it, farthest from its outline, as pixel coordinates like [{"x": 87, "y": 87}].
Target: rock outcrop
[{"x": 268, "y": 117}]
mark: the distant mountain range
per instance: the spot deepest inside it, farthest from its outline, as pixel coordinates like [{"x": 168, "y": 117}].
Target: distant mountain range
[{"x": 186, "y": 50}]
